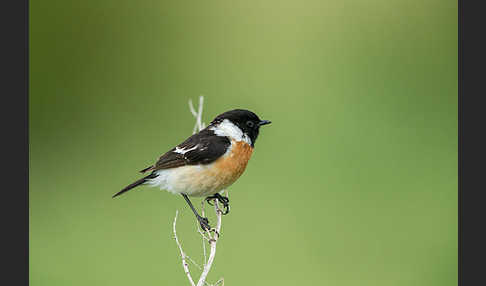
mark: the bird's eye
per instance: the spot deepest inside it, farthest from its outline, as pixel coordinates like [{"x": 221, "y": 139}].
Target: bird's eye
[{"x": 250, "y": 124}]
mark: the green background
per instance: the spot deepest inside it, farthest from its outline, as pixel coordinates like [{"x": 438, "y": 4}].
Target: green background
[{"x": 354, "y": 183}]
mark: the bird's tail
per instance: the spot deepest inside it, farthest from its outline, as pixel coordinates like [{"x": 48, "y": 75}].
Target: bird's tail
[{"x": 135, "y": 184}]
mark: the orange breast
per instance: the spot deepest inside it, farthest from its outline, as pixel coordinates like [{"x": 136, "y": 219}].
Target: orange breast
[
  {"x": 206, "y": 180},
  {"x": 231, "y": 166}
]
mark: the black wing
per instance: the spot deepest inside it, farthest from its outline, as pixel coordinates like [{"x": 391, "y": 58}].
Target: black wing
[{"x": 201, "y": 148}]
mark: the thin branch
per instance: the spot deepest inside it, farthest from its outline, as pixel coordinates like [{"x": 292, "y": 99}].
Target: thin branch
[
  {"x": 193, "y": 262},
  {"x": 212, "y": 236},
  {"x": 183, "y": 255},
  {"x": 198, "y": 115},
  {"x": 212, "y": 242},
  {"x": 191, "y": 108},
  {"x": 200, "y": 111}
]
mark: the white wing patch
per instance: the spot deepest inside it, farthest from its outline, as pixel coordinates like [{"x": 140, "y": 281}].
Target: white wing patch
[
  {"x": 227, "y": 128},
  {"x": 184, "y": 151}
]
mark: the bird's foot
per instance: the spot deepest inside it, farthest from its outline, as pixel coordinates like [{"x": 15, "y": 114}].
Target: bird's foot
[
  {"x": 222, "y": 199},
  {"x": 204, "y": 222}
]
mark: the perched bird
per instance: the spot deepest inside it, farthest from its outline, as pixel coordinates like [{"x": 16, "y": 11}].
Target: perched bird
[{"x": 207, "y": 162}]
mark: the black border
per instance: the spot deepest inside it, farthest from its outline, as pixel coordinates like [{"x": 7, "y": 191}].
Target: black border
[
  {"x": 472, "y": 143},
  {"x": 14, "y": 210}
]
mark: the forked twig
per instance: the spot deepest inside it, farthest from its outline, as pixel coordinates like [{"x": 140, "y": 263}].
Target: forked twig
[
  {"x": 183, "y": 255},
  {"x": 210, "y": 236}
]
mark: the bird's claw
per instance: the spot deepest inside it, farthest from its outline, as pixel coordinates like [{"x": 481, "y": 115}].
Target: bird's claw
[
  {"x": 222, "y": 199},
  {"x": 204, "y": 222}
]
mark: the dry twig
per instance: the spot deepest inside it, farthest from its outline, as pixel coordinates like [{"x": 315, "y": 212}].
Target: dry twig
[{"x": 211, "y": 236}]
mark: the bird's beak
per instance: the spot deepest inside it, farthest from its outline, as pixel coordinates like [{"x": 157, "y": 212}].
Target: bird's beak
[{"x": 264, "y": 122}]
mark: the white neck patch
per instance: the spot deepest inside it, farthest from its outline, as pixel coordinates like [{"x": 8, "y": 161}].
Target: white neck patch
[{"x": 227, "y": 128}]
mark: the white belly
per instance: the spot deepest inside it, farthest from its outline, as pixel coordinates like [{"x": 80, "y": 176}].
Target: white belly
[{"x": 195, "y": 180}]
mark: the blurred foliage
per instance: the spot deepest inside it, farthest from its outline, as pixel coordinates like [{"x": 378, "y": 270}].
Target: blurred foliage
[{"x": 354, "y": 183}]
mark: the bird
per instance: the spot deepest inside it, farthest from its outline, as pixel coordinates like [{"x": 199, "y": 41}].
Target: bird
[{"x": 207, "y": 162}]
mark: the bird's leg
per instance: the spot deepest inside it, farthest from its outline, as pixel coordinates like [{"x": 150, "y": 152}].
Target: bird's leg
[
  {"x": 222, "y": 199},
  {"x": 203, "y": 221}
]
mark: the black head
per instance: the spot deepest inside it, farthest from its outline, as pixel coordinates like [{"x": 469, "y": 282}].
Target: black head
[{"x": 246, "y": 120}]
